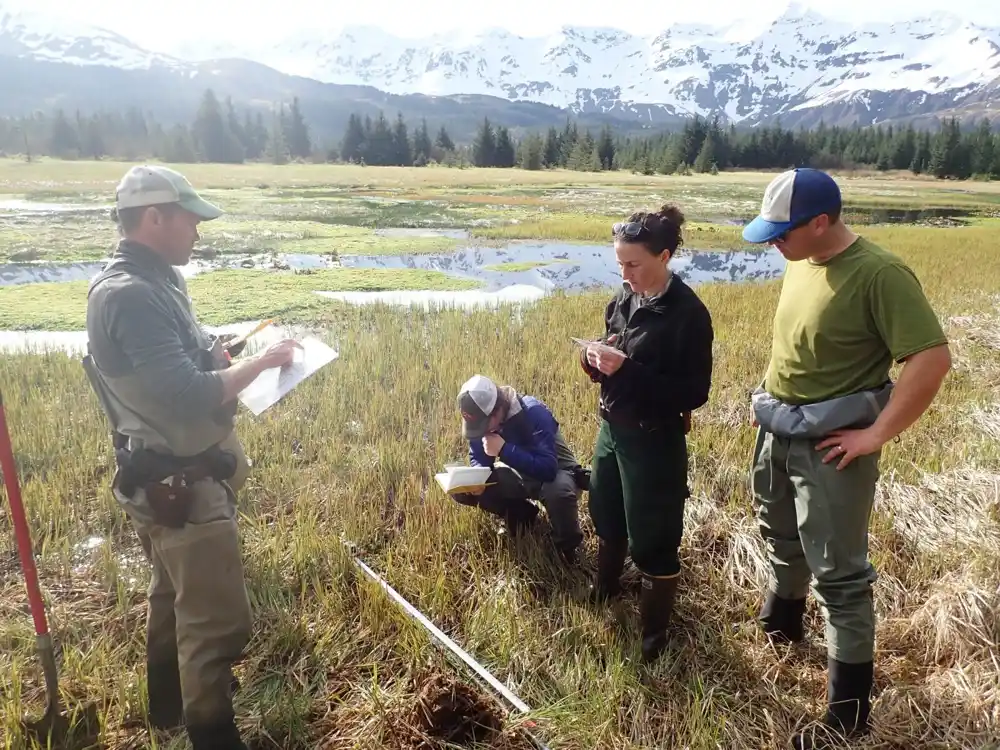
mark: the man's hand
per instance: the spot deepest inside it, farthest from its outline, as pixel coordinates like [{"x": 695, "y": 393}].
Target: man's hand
[
  {"x": 849, "y": 444},
  {"x": 605, "y": 358},
  {"x": 493, "y": 444},
  {"x": 279, "y": 354}
]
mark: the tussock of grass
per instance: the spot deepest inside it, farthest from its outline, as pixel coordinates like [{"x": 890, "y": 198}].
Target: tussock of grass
[
  {"x": 518, "y": 266},
  {"x": 955, "y": 510}
]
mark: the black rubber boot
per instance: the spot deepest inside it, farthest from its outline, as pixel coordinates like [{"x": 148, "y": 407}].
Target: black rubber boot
[
  {"x": 221, "y": 736},
  {"x": 849, "y": 689},
  {"x": 163, "y": 686},
  {"x": 782, "y": 618},
  {"x": 507, "y": 499},
  {"x": 610, "y": 564},
  {"x": 569, "y": 555},
  {"x": 520, "y": 516},
  {"x": 656, "y": 605}
]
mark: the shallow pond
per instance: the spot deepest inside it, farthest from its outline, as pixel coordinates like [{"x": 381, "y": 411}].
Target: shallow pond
[
  {"x": 573, "y": 267},
  {"x": 41, "y": 271},
  {"x": 18, "y": 207}
]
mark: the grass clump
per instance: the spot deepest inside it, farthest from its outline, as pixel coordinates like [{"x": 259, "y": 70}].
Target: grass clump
[{"x": 518, "y": 266}]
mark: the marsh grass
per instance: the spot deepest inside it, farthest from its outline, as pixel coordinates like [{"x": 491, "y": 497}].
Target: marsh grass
[
  {"x": 350, "y": 456},
  {"x": 224, "y": 296},
  {"x": 586, "y": 228}
]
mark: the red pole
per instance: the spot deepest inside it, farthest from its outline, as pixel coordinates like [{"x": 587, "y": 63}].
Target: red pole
[{"x": 21, "y": 526}]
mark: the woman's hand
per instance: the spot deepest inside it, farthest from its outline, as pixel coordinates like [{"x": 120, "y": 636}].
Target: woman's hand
[{"x": 604, "y": 357}]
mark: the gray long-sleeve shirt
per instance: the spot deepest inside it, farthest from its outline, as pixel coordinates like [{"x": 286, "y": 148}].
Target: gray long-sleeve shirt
[{"x": 139, "y": 322}]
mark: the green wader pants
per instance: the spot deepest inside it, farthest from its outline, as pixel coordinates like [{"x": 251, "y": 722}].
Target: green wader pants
[
  {"x": 638, "y": 487},
  {"x": 814, "y": 520},
  {"x": 198, "y": 614}
]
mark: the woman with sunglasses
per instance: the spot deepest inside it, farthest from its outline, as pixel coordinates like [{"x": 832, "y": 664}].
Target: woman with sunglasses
[{"x": 654, "y": 366}]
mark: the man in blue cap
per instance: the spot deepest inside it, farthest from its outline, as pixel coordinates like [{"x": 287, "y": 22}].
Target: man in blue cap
[{"x": 848, "y": 310}]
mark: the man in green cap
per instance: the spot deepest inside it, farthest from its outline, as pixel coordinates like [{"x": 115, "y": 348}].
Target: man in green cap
[{"x": 170, "y": 392}]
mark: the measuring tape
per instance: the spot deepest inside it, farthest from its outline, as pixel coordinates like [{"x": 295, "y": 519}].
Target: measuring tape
[{"x": 416, "y": 614}]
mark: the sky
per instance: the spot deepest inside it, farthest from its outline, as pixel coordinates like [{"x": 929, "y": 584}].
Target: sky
[{"x": 230, "y": 21}]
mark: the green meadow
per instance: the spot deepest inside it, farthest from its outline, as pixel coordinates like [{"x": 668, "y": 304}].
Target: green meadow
[{"x": 344, "y": 466}]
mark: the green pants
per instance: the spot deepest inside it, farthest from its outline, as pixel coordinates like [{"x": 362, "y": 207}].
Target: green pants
[
  {"x": 638, "y": 487},
  {"x": 814, "y": 520},
  {"x": 198, "y": 611}
]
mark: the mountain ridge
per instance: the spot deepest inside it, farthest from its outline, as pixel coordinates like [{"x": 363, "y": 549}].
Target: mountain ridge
[{"x": 799, "y": 67}]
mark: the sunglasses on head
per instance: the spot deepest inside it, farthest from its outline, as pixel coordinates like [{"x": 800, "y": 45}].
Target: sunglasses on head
[{"x": 629, "y": 229}]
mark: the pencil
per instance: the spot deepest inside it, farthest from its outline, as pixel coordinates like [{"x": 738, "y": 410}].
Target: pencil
[{"x": 257, "y": 329}]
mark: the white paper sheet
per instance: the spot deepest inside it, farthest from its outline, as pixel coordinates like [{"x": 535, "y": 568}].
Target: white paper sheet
[{"x": 274, "y": 384}]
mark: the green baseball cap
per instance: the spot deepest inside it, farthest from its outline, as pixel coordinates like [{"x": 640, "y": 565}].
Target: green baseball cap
[{"x": 153, "y": 184}]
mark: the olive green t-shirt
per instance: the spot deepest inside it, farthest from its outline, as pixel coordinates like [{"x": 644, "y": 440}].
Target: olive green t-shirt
[{"x": 840, "y": 325}]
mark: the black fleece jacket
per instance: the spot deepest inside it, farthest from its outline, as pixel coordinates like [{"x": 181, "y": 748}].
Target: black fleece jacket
[{"x": 668, "y": 367}]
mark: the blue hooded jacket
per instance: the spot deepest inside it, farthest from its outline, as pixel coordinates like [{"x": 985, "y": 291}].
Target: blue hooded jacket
[{"x": 529, "y": 442}]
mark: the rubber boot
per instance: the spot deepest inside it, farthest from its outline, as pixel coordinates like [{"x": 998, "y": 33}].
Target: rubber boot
[
  {"x": 848, "y": 705},
  {"x": 656, "y": 605},
  {"x": 163, "y": 686},
  {"x": 611, "y": 555},
  {"x": 507, "y": 499},
  {"x": 782, "y": 618},
  {"x": 569, "y": 554},
  {"x": 519, "y": 516},
  {"x": 222, "y": 736}
]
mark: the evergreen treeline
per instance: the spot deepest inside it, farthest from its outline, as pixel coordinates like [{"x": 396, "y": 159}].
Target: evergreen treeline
[
  {"x": 381, "y": 144},
  {"x": 704, "y": 146},
  {"x": 218, "y": 133}
]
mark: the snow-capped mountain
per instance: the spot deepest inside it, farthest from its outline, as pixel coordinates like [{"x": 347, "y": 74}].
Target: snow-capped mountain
[
  {"x": 798, "y": 61},
  {"x": 798, "y": 66},
  {"x": 45, "y": 37}
]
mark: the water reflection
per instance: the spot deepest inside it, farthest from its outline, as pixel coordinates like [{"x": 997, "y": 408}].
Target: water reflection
[
  {"x": 36, "y": 272},
  {"x": 573, "y": 267},
  {"x": 454, "y": 234},
  {"x": 33, "y": 273},
  {"x": 40, "y": 208}
]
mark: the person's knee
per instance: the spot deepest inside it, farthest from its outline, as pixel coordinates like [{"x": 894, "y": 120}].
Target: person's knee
[
  {"x": 654, "y": 558},
  {"x": 561, "y": 490},
  {"x": 846, "y": 589}
]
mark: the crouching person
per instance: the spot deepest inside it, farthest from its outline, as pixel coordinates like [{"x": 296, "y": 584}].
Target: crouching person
[{"x": 537, "y": 463}]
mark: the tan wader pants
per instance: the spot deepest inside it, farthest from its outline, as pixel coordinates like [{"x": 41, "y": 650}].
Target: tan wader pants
[
  {"x": 814, "y": 520},
  {"x": 198, "y": 610}
]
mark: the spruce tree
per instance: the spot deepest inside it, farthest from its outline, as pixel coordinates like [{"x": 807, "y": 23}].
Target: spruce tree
[
  {"x": 402, "y": 154},
  {"x": 552, "y": 156},
  {"x": 422, "y": 146},
  {"x": 505, "y": 153},
  {"x": 353, "y": 144},
  {"x": 484, "y": 146},
  {"x": 531, "y": 152},
  {"x": 381, "y": 149},
  {"x": 443, "y": 140},
  {"x": 606, "y": 148}
]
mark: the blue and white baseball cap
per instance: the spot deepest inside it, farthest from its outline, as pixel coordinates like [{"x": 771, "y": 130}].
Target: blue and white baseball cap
[{"x": 793, "y": 198}]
